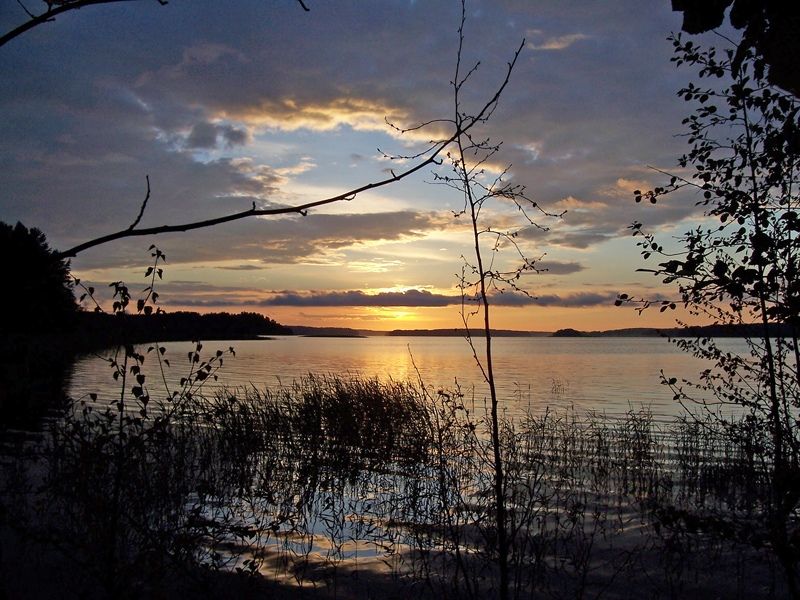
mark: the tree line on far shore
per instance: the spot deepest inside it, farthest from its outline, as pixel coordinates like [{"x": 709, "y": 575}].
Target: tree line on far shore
[
  {"x": 105, "y": 329},
  {"x": 46, "y": 307}
]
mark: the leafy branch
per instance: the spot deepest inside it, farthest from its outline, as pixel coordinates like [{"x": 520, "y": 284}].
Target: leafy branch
[{"x": 738, "y": 268}]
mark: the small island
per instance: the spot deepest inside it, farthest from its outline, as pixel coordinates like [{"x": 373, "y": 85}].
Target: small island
[{"x": 568, "y": 333}]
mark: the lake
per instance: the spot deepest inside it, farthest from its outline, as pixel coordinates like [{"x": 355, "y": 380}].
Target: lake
[
  {"x": 606, "y": 374},
  {"x": 324, "y": 498}
]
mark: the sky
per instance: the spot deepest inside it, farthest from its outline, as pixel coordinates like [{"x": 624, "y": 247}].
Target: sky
[{"x": 226, "y": 105}]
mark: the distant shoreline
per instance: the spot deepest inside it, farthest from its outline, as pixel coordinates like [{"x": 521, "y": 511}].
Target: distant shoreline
[
  {"x": 675, "y": 332},
  {"x": 94, "y": 330},
  {"x": 332, "y": 335}
]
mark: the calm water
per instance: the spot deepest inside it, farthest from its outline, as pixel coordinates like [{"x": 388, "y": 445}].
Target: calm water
[{"x": 609, "y": 375}]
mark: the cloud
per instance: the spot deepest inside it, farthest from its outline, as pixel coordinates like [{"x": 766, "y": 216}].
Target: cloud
[
  {"x": 555, "y": 43},
  {"x": 234, "y": 136},
  {"x": 420, "y": 298},
  {"x": 575, "y": 300},
  {"x": 203, "y": 135},
  {"x": 199, "y": 57},
  {"x": 551, "y": 267},
  {"x": 305, "y": 164},
  {"x": 291, "y": 115},
  {"x": 242, "y": 268},
  {"x": 581, "y": 240},
  {"x": 413, "y": 297}
]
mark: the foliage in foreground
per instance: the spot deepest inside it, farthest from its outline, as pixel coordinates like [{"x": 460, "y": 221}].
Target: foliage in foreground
[
  {"x": 353, "y": 487},
  {"x": 738, "y": 267}
]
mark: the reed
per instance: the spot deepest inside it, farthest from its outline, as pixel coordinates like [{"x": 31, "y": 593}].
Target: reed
[{"x": 329, "y": 478}]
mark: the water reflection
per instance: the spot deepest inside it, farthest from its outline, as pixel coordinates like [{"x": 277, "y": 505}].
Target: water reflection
[
  {"x": 35, "y": 376},
  {"x": 306, "y": 482},
  {"x": 605, "y": 374}
]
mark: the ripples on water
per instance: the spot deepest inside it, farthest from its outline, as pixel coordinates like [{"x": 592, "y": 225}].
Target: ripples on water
[{"x": 609, "y": 375}]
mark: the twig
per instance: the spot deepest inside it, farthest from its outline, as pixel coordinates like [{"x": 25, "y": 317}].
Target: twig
[
  {"x": 144, "y": 205},
  {"x": 51, "y": 14}
]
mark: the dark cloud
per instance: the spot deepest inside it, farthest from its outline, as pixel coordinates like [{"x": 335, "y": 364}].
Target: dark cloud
[
  {"x": 200, "y": 295},
  {"x": 578, "y": 300},
  {"x": 575, "y": 300},
  {"x": 551, "y": 267},
  {"x": 580, "y": 239},
  {"x": 425, "y": 298},
  {"x": 203, "y": 135},
  {"x": 234, "y": 137},
  {"x": 359, "y": 298}
]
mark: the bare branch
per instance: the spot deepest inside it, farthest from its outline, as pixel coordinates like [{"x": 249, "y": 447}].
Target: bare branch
[
  {"x": 25, "y": 8},
  {"x": 144, "y": 205},
  {"x": 57, "y": 7},
  {"x": 52, "y": 12},
  {"x": 255, "y": 212}
]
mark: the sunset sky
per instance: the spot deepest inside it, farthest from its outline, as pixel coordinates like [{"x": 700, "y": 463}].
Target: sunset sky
[{"x": 226, "y": 104}]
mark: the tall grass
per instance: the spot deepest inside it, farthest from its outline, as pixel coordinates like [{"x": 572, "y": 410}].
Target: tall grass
[{"x": 361, "y": 486}]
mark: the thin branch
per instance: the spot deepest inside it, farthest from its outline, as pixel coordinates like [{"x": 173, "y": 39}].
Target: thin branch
[
  {"x": 67, "y": 5},
  {"x": 25, "y": 8},
  {"x": 144, "y": 205},
  {"x": 254, "y": 212},
  {"x": 52, "y": 12}
]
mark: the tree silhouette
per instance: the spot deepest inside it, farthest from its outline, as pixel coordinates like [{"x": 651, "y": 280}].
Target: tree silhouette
[
  {"x": 769, "y": 28},
  {"x": 739, "y": 267},
  {"x": 41, "y": 309},
  {"x": 40, "y": 280}
]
